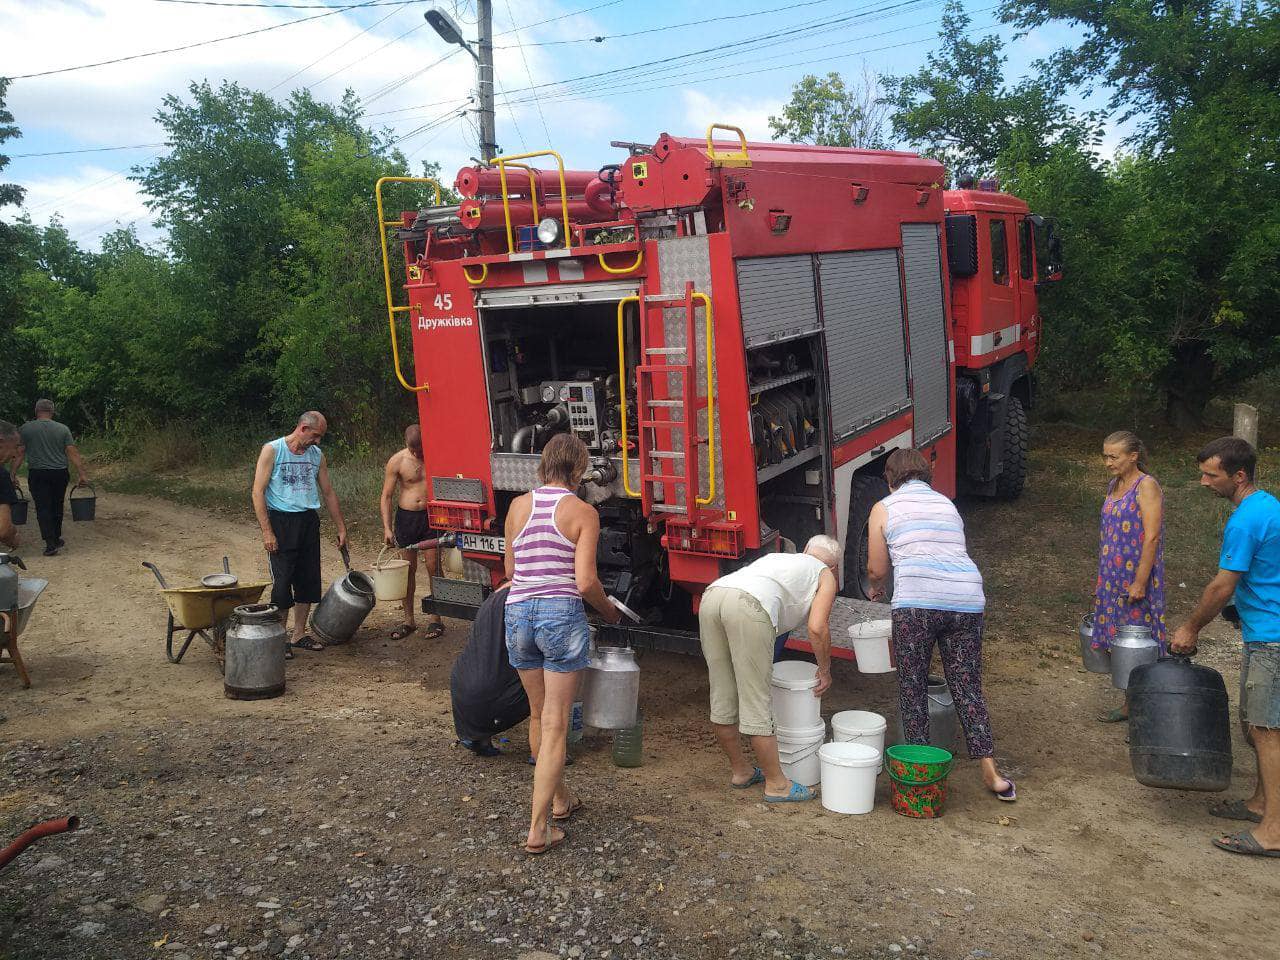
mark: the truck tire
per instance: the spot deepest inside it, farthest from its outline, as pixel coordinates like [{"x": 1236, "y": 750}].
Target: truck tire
[
  {"x": 867, "y": 491},
  {"x": 1013, "y": 462}
]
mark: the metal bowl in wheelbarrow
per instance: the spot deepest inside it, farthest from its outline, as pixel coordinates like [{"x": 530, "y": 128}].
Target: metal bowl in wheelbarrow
[{"x": 197, "y": 608}]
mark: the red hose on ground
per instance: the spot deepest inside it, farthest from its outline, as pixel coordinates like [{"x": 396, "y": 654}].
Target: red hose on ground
[{"x": 40, "y": 830}]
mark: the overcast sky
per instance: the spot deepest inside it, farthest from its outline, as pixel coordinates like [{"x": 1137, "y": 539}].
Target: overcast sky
[{"x": 736, "y": 66}]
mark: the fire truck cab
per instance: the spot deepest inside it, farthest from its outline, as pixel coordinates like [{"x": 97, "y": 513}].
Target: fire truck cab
[{"x": 739, "y": 332}]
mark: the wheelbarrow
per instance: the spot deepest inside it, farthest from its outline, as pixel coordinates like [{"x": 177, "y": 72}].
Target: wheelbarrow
[{"x": 203, "y": 611}]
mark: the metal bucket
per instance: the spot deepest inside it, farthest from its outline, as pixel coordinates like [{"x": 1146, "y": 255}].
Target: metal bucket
[
  {"x": 1131, "y": 647},
  {"x": 343, "y": 608},
  {"x": 1095, "y": 659}
]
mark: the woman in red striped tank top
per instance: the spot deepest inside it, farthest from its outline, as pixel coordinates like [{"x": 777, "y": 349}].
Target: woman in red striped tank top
[{"x": 551, "y": 561}]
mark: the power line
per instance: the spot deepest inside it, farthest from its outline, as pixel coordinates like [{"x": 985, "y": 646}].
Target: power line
[
  {"x": 326, "y": 56},
  {"x": 201, "y": 43},
  {"x": 65, "y": 153},
  {"x": 281, "y": 6},
  {"x": 673, "y": 26},
  {"x": 541, "y": 116},
  {"x": 397, "y": 39}
]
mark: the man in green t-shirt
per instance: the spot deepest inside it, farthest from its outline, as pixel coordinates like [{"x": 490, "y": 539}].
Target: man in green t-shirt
[{"x": 48, "y": 448}]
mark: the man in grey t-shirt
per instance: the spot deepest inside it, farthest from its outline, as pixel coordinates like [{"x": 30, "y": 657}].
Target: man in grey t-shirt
[{"x": 48, "y": 448}]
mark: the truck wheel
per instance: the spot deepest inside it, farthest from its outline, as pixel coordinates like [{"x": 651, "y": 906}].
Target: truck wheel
[
  {"x": 1013, "y": 463},
  {"x": 867, "y": 492}
]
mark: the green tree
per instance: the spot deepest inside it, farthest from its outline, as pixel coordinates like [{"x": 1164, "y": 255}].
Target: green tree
[
  {"x": 828, "y": 112},
  {"x": 959, "y": 109},
  {"x": 1198, "y": 79},
  {"x": 16, "y": 381}
]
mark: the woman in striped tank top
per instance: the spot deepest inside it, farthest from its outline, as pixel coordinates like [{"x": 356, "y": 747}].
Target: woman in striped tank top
[
  {"x": 551, "y": 562},
  {"x": 937, "y": 599}
]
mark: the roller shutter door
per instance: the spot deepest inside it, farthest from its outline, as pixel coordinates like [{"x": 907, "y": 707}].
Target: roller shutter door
[
  {"x": 866, "y": 356},
  {"x": 777, "y": 298},
  {"x": 927, "y": 330}
]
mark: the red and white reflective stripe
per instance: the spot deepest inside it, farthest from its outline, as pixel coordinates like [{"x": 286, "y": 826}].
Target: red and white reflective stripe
[{"x": 996, "y": 340}]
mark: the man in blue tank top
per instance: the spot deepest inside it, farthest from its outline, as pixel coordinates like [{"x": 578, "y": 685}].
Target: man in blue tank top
[
  {"x": 288, "y": 483},
  {"x": 1249, "y": 570}
]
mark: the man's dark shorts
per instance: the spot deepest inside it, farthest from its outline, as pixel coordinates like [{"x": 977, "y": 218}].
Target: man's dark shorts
[
  {"x": 295, "y": 566},
  {"x": 411, "y": 527},
  {"x": 8, "y": 495}
]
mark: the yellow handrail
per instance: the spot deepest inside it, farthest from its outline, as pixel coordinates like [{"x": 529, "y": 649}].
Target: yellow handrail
[
  {"x": 533, "y": 186},
  {"x": 631, "y": 269},
  {"x": 506, "y": 200},
  {"x": 392, "y": 309},
  {"x": 739, "y": 159},
  {"x": 711, "y": 404},
  {"x": 484, "y": 272},
  {"x": 622, "y": 384}
]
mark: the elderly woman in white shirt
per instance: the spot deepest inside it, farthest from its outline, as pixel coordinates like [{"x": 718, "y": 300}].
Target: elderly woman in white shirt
[{"x": 740, "y": 617}]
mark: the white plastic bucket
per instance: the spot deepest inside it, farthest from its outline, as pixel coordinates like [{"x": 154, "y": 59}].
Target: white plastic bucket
[
  {"x": 871, "y": 645},
  {"x": 860, "y": 726},
  {"x": 848, "y": 776},
  {"x": 791, "y": 688},
  {"x": 390, "y": 577},
  {"x": 798, "y": 751}
]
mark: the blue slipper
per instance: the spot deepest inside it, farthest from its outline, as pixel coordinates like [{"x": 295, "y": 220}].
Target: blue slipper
[
  {"x": 798, "y": 793},
  {"x": 757, "y": 776}
]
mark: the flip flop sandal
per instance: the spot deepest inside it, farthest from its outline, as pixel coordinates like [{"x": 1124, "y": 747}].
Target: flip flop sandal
[
  {"x": 433, "y": 630},
  {"x": 757, "y": 776},
  {"x": 1244, "y": 842},
  {"x": 288, "y": 650},
  {"x": 573, "y": 808},
  {"x": 308, "y": 642},
  {"x": 1113, "y": 716},
  {"x": 1010, "y": 795},
  {"x": 402, "y": 631},
  {"x": 550, "y": 843},
  {"x": 798, "y": 793},
  {"x": 1234, "y": 810}
]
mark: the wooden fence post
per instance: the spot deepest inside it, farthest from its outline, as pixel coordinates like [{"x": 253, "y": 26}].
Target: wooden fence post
[{"x": 1246, "y": 423}]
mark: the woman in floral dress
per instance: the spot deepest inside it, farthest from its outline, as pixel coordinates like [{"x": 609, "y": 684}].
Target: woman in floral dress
[{"x": 1130, "y": 588}]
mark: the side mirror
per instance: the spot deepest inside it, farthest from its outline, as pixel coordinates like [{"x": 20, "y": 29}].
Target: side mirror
[{"x": 1048, "y": 250}]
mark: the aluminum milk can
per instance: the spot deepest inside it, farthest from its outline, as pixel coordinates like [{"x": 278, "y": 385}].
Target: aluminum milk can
[
  {"x": 1094, "y": 660},
  {"x": 1131, "y": 647},
  {"x": 254, "y": 667},
  {"x": 343, "y": 608},
  {"x": 943, "y": 721},
  {"x": 611, "y": 689}
]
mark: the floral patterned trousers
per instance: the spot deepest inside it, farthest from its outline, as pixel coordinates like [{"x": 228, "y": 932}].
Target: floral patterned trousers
[{"x": 959, "y": 640}]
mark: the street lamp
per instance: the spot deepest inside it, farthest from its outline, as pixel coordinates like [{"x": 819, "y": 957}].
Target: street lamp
[
  {"x": 444, "y": 25},
  {"x": 482, "y": 53}
]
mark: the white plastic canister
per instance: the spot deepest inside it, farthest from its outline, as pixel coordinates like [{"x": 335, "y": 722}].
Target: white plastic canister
[
  {"x": 798, "y": 751},
  {"x": 871, "y": 645},
  {"x": 848, "y": 776},
  {"x": 791, "y": 686},
  {"x": 860, "y": 726}
]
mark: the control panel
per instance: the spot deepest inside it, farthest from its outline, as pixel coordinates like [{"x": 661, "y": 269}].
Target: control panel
[{"x": 580, "y": 399}]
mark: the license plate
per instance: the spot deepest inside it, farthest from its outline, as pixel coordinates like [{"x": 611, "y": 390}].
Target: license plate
[{"x": 483, "y": 544}]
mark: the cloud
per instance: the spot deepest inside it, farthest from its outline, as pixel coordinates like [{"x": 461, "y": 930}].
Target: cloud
[
  {"x": 90, "y": 201},
  {"x": 750, "y": 114}
]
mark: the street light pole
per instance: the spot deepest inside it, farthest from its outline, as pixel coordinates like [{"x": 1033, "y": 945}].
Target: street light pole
[
  {"x": 482, "y": 53},
  {"x": 484, "y": 80}
]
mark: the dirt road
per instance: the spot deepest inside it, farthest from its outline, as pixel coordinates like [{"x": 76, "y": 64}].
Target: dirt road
[{"x": 340, "y": 821}]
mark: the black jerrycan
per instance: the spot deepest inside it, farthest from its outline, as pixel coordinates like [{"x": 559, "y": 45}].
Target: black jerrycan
[{"x": 1179, "y": 725}]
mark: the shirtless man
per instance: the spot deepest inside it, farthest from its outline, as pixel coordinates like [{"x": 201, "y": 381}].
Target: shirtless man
[{"x": 409, "y": 525}]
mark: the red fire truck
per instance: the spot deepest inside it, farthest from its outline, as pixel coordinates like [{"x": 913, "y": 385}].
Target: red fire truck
[{"x": 739, "y": 332}]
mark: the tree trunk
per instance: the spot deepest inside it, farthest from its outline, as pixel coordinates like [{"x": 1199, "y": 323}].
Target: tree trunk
[{"x": 1189, "y": 385}]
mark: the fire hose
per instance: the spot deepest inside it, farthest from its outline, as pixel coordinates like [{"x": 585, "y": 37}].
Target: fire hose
[{"x": 39, "y": 831}]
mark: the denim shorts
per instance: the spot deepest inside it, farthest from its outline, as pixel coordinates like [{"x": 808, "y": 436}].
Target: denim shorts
[
  {"x": 1260, "y": 685},
  {"x": 548, "y": 634}
]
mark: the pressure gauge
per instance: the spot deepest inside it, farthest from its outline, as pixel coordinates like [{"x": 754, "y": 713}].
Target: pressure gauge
[
  {"x": 564, "y": 393},
  {"x": 548, "y": 394}
]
